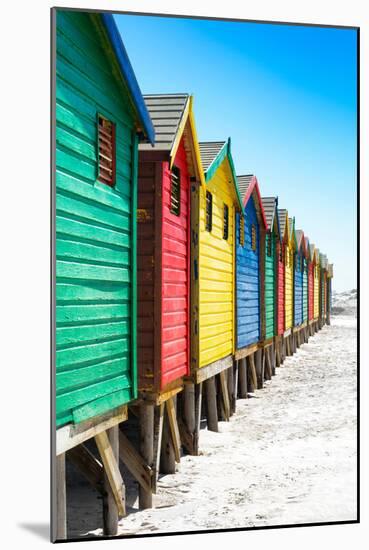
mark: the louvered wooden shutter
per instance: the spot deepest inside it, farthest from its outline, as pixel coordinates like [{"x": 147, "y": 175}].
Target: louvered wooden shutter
[
  {"x": 106, "y": 153},
  {"x": 225, "y": 222},
  {"x": 209, "y": 211},
  {"x": 175, "y": 191},
  {"x": 242, "y": 230},
  {"x": 253, "y": 237}
]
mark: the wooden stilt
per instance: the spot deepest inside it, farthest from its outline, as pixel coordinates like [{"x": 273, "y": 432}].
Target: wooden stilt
[
  {"x": 88, "y": 465},
  {"x": 224, "y": 394},
  {"x": 268, "y": 363},
  {"x": 235, "y": 386},
  {"x": 60, "y": 528},
  {"x": 242, "y": 375},
  {"x": 158, "y": 432},
  {"x": 211, "y": 404},
  {"x": 230, "y": 386},
  {"x": 147, "y": 451},
  {"x": 174, "y": 431},
  {"x": 259, "y": 368},
  {"x": 252, "y": 382},
  {"x": 114, "y": 503},
  {"x": 198, "y": 408},
  {"x": 273, "y": 358},
  {"x": 167, "y": 459}
]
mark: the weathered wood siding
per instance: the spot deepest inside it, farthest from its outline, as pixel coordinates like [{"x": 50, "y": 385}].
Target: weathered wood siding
[
  {"x": 298, "y": 274},
  {"x": 311, "y": 290},
  {"x": 163, "y": 273},
  {"x": 149, "y": 186},
  {"x": 216, "y": 271},
  {"x": 280, "y": 264},
  {"x": 175, "y": 276},
  {"x": 288, "y": 304},
  {"x": 270, "y": 288},
  {"x": 316, "y": 291},
  {"x": 305, "y": 298},
  {"x": 248, "y": 280},
  {"x": 95, "y": 369}
]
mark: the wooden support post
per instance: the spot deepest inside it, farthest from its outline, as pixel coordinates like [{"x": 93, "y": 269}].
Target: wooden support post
[
  {"x": 147, "y": 451},
  {"x": 174, "y": 431},
  {"x": 88, "y": 465},
  {"x": 61, "y": 499},
  {"x": 259, "y": 368},
  {"x": 252, "y": 381},
  {"x": 135, "y": 463},
  {"x": 235, "y": 386},
  {"x": 211, "y": 404},
  {"x": 108, "y": 445},
  {"x": 230, "y": 384},
  {"x": 158, "y": 432},
  {"x": 198, "y": 407},
  {"x": 167, "y": 458},
  {"x": 114, "y": 497},
  {"x": 273, "y": 358},
  {"x": 224, "y": 395},
  {"x": 242, "y": 374},
  {"x": 268, "y": 362}
]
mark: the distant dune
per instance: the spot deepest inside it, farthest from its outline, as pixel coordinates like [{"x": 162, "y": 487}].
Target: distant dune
[{"x": 344, "y": 303}]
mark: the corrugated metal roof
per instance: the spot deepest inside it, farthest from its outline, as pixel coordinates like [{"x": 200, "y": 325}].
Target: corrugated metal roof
[
  {"x": 290, "y": 221},
  {"x": 209, "y": 150},
  {"x": 269, "y": 204},
  {"x": 243, "y": 183},
  {"x": 312, "y": 249},
  {"x": 166, "y": 111},
  {"x": 282, "y": 214}
]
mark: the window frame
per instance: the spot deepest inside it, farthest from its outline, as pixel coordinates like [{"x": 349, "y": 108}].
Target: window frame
[
  {"x": 101, "y": 178},
  {"x": 253, "y": 237},
  {"x": 225, "y": 221},
  {"x": 175, "y": 171},
  {"x": 242, "y": 231},
  {"x": 208, "y": 212}
]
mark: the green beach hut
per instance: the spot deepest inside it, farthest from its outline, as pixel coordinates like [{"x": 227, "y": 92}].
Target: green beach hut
[{"x": 100, "y": 117}]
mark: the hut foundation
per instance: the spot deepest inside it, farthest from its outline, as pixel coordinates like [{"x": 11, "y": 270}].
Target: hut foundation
[
  {"x": 60, "y": 526},
  {"x": 242, "y": 378}
]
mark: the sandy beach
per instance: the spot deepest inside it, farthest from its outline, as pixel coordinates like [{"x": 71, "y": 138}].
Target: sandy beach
[{"x": 287, "y": 456}]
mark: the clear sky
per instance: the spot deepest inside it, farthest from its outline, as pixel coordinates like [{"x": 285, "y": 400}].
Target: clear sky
[{"x": 286, "y": 95}]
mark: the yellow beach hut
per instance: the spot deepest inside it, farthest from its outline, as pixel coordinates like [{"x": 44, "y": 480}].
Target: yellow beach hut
[
  {"x": 213, "y": 209},
  {"x": 316, "y": 285}
]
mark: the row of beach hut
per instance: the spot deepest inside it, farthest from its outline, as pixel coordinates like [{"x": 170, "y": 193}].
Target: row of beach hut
[{"x": 179, "y": 287}]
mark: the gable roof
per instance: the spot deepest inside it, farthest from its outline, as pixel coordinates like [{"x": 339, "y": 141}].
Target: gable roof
[
  {"x": 301, "y": 241},
  {"x": 213, "y": 154},
  {"x": 243, "y": 183},
  {"x": 312, "y": 252},
  {"x": 173, "y": 118},
  {"x": 330, "y": 270},
  {"x": 109, "y": 32},
  {"x": 166, "y": 112},
  {"x": 209, "y": 150},
  {"x": 282, "y": 216},
  {"x": 252, "y": 190},
  {"x": 270, "y": 205}
]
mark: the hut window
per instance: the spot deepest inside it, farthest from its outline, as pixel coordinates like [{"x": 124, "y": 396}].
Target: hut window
[
  {"x": 175, "y": 191},
  {"x": 225, "y": 221},
  {"x": 242, "y": 230},
  {"x": 253, "y": 237},
  {"x": 106, "y": 153},
  {"x": 269, "y": 247},
  {"x": 209, "y": 211}
]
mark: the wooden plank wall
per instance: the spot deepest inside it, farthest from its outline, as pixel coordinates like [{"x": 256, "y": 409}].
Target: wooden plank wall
[
  {"x": 216, "y": 274},
  {"x": 298, "y": 274},
  {"x": 270, "y": 294},
  {"x": 311, "y": 290},
  {"x": 175, "y": 301},
  {"x": 148, "y": 173},
  {"x": 316, "y": 291},
  {"x": 280, "y": 288},
  {"x": 288, "y": 287},
  {"x": 305, "y": 291},
  {"x": 93, "y": 230},
  {"x": 248, "y": 280}
]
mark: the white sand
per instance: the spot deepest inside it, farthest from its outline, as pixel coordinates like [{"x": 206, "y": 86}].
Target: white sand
[{"x": 287, "y": 456}]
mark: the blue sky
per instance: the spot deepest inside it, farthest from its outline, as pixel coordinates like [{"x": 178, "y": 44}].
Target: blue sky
[{"x": 287, "y": 98}]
